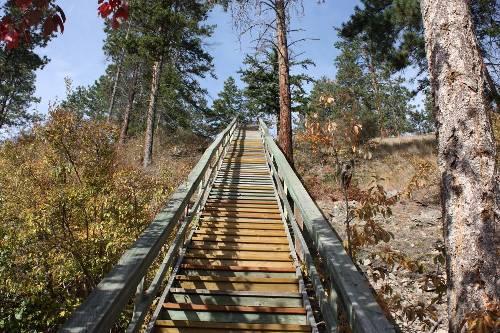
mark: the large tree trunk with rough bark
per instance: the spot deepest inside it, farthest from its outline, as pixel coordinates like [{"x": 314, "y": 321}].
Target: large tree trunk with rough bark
[
  {"x": 148, "y": 140},
  {"x": 470, "y": 182},
  {"x": 285, "y": 118},
  {"x": 128, "y": 108}
]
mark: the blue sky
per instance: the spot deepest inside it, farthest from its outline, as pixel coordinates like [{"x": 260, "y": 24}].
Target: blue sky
[{"x": 78, "y": 52}]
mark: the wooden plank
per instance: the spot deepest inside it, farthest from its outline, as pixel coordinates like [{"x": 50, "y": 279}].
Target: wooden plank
[
  {"x": 256, "y": 280},
  {"x": 232, "y": 262},
  {"x": 211, "y": 330},
  {"x": 229, "y": 225},
  {"x": 240, "y": 220},
  {"x": 241, "y": 209},
  {"x": 241, "y": 239},
  {"x": 244, "y": 187},
  {"x": 240, "y": 205},
  {"x": 243, "y": 232},
  {"x": 235, "y": 326},
  {"x": 233, "y": 190},
  {"x": 269, "y": 269},
  {"x": 237, "y": 246},
  {"x": 244, "y": 286},
  {"x": 233, "y": 308},
  {"x": 241, "y": 195},
  {"x": 240, "y": 298},
  {"x": 206, "y": 316},
  {"x": 241, "y": 214},
  {"x": 242, "y": 201},
  {"x": 242, "y": 182},
  {"x": 238, "y": 255}
]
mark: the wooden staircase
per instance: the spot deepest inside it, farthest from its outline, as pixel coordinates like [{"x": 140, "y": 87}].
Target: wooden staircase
[{"x": 238, "y": 273}]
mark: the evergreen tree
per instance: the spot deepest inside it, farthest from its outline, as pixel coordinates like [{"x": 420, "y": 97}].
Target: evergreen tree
[
  {"x": 230, "y": 103},
  {"x": 17, "y": 72},
  {"x": 170, "y": 38},
  {"x": 394, "y": 31},
  {"x": 261, "y": 77}
]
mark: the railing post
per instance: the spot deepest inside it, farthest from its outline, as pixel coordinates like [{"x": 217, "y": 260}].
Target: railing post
[{"x": 139, "y": 293}]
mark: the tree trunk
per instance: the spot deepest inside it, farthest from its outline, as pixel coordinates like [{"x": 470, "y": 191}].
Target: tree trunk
[
  {"x": 470, "y": 182},
  {"x": 376, "y": 91},
  {"x": 117, "y": 78},
  {"x": 128, "y": 109},
  {"x": 148, "y": 140},
  {"x": 285, "y": 125}
]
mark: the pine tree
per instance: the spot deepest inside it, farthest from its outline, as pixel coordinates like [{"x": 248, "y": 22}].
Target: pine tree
[
  {"x": 262, "y": 84},
  {"x": 230, "y": 103},
  {"x": 17, "y": 73},
  {"x": 394, "y": 31},
  {"x": 171, "y": 38}
]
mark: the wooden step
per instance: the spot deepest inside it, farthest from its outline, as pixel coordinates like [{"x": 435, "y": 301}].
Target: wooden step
[
  {"x": 241, "y": 220},
  {"x": 243, "y": 201},
  {"x": 242, "y": 232},
  {"x": 241, "y": 298},
  {"x": 240, "y": 239},
  {"x": 233, "y": 308},
  {"x": 241, "y": 214},
  {"x": 231, "y": 314},
  {"x": 238, "y": 255},
  {"x": 242, "y": 210},
  {"x": 243, "y": 263},
  {"x": 238, "y": 246},
  {"x": 269, "y": 269},
  {"x": 237, "y": 283},
  {"x": 232, "y": 225},
  {"x": 211, "y": 205},
  {"x": 245, "y": 187},
  {"x": 163, "y": 326}
]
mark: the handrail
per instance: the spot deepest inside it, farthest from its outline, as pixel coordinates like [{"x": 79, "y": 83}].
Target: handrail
[
  {"x": 348, "y": 286},
  {"x": 100, "y": 310}
]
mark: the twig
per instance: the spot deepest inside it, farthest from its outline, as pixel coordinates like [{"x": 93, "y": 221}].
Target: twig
[{"x": 436, "y": 325}]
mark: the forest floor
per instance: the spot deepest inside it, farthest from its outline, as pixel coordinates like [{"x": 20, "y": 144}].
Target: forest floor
[{"x": 415, "y": 223}]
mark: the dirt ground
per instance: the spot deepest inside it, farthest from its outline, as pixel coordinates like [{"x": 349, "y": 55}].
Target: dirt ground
[{"x": 415, "y": 223}]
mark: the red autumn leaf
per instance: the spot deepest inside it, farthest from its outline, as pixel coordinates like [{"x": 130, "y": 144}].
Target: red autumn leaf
[
  {"x": 115, "y": 3},
  {"x": 48, "y": 27},
  {"x": 58, "y": 23},
  {"x": 12, "y": 39},
  {"x": 122, "y": 13},
  {"x": 105, "y": 9}
]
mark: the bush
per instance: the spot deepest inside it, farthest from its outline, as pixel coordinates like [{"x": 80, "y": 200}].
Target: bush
[{"x": 68, "y": 210}]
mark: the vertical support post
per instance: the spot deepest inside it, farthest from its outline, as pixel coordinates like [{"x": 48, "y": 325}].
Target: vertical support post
[
  {"x": 139, "y": 293},
  {"x": 298, "y": 217}
]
